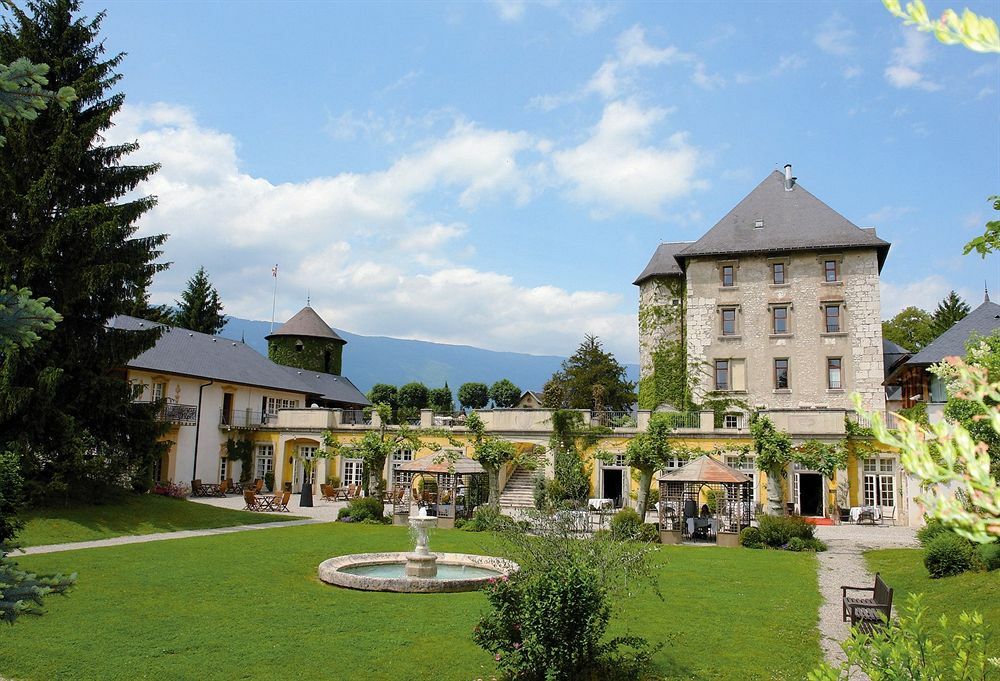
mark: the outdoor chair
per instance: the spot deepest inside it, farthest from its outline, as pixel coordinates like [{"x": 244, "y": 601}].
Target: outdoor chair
[
  {"x": 351, "y": 489},
  {"x": 868, "y": 613},
  {"x": 329, "y": 492},
  {"x": 844, "y": 514},
  {"x": 258, "y": 485},
  {"x": 196, "y": 489},
  {"x": 357, "y": 492},
  {"x": 888, "y": 513},
  {"x": 251, "y": 501},
  {"x": 283, "y": 504},
  {"x": 223, "y": 488}
]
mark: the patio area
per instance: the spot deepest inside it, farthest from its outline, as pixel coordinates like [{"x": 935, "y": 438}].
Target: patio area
[
  {"x": 704, "y": 500},
  {"x": 325, "y": 511}
]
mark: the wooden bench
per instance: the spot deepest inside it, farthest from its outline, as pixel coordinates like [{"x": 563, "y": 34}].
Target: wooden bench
[{"x": 868, "y": 613}]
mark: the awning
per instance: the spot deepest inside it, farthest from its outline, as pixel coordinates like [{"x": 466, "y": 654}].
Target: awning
[{"x": 430, "y": 464}]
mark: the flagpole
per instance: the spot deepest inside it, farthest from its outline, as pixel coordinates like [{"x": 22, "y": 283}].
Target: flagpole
[{"x": 274, "y": 296}]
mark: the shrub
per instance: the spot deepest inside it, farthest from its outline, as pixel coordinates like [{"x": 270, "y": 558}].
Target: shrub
[
  {"x": 751, "y": 538},
  {"x": 488, "y": 519},
  {"x": 777, "y": 530},
  {"x": 334, "y": 481},
  {"x": 817, "y": 545},
  {"x": 650, "y": 533},
  {"x": 932, "y": 529},
  {"x": 948, "y": 554},
  {"x": 364, "y": 508},
  {"x": 625, "y": 525},
  {"x": 269, "y": 481},
  {"x": 172, "y": 489},
  {"x": 990, "y": 555},
  {"x": 796, "y": 544}
]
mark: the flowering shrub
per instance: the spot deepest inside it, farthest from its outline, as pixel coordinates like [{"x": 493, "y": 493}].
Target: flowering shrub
[{"x": 172, "y": 489}]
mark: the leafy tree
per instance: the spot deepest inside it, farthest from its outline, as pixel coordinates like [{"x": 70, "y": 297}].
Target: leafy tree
[
  {"x": 383, "y": 393},
  {"x": 413, "y": 396},
  {"x": 199, "y": 308},
  {"x": 569, "y": 439},
  {"x": 977, "y": 33},
  {"x": 68, "y": 235},
  {"x": 982, "y": 352},
  {"x": 440, "y": 400},
  {"x": 474, "y": 395},
  {"x": 504, "y": 394},
  {"x": 593, "y": 379},
  {"x": 911, "y": 329},
  {"x": 553, "y": 395},
  {"x": 949, "y": 311},
  {"x": 774, "y": 452},
  {"x": 493, "y": 453},
  {"x": 990, "y": 240},
  {"x": 648, "y": 452}
]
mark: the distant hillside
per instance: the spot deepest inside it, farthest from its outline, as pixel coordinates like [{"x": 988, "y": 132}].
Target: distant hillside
[{"x": 377, "y": 359}]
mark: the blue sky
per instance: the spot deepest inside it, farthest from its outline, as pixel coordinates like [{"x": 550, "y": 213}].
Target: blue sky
[{"x": 497, "y": 174}]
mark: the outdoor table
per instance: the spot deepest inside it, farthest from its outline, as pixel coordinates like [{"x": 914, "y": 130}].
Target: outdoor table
[
  {"x": 209, "y": 489},
  {"x": 340, "y": 493},
  {"x": 598, "y": 504},
  {"x": 264, "y": 501},
  {"x": 698, "y": 523},
  {"x": 874, "y": 511}
]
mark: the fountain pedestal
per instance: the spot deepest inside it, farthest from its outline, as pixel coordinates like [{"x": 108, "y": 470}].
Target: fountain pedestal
[{"x": 421, "y": 563}]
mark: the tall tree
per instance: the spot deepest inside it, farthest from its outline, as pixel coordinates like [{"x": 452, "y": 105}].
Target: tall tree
[
  {"x": 474, "y": 395},
  {"x": 199, "y": 308},
  {"x": 647, "y": 452},
  {"x": 414, "y": 395},
  {"x": 593, "y": 379},
  {"x": 140, "y": 306},
  {"x": 67, "y": 225},
  {"x": 504, "y": 394},
  {"x": 493, "y": 453},
  {"x": 441, "y": 400},
  {"x": 383, "y": 393},
  {"x": 949, "y": 311},
  {"x": 910, "y": 329}
]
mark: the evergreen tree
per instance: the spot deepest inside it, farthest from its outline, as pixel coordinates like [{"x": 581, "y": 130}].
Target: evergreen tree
[
  {"x": 67, "y": 228},
  {"x": 949, "y": 311},
  {"x": 504, "y": 394},
  {"x": 910, "y": 329},
  {"x": 199, "y": 308},
  {"x": 593, "y": 379}
]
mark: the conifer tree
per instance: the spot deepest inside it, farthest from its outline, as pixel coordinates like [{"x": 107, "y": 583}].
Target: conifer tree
[
  {"x": 67, "y": 226},
  {"x": 199, "y": 308},
  {"x": 592, "y": 379},
  {"x": 949, "y": 311}
]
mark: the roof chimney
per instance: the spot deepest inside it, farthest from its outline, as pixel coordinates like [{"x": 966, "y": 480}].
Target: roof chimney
[{"x": 789, "y": 180}]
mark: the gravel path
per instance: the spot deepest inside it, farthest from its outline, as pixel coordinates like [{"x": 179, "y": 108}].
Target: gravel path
[{"x": 844, "y": 565}]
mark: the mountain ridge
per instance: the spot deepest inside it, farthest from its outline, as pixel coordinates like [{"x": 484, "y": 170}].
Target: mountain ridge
[{"x": 383, "y": 359}]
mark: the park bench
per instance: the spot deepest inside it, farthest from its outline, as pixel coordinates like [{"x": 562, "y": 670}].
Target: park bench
[{"x": 868, "y": 612}]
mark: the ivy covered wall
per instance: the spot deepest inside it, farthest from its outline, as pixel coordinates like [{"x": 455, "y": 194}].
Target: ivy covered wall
[
  {"x": 662, "y": 344},
  {"x": 311, "y": 354}
]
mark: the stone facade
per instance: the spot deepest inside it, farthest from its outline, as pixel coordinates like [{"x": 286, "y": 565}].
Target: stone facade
[
  {"x": 660, "y": 315},
  {"x": 753, "y": 346}
]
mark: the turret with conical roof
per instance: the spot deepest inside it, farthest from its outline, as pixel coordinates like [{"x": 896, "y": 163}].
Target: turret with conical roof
[{"x": 307, "y": 342}]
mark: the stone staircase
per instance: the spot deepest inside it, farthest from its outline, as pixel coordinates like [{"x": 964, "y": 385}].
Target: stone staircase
[{"x": 520, "y": 490}]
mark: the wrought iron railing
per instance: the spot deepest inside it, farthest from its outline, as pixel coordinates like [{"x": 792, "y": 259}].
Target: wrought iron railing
[
  {"x": 173, "y": 412},
  {"x": 614, "y": 419},
  {"x": 355, "y": 417},
  {"x": 243, "y": 418},
  {"x": 683, "y": 419},
  {"x": 888, "y": 418}
]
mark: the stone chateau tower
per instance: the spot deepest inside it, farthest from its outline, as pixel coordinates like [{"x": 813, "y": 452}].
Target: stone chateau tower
[{"x": 307, "y": 342}]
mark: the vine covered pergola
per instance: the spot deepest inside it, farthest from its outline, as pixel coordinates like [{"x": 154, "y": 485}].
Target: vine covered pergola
[
  {"x": 461, "y": 485},
  {"x": 701, "y": 482}
]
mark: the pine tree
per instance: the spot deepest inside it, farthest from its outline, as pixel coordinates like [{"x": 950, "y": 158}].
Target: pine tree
[
  {"x": 199, "y": 308},
  {"x": 140, "y": 306},
  {"x": 592, "y": 379},
  {"x": 949, "y": 311},
  {"x": 67, "y": 228}
]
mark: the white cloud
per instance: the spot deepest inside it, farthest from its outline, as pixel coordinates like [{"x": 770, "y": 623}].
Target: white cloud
[
  {"x": 367, "y": 247},
  {"x": 589, "y": 16},
  {"x": 510, "y": 10},
  {"x": 887, "y": 214},
  {"x": 836, "y": 36},
  {"x": 850, "y": 72},
  {"x": 616, "y": 169},
  {"x": 904, "y": 69},
  {"x": 788, "y": 62},
  {"x": 985, "y": 92},
  {"x": 924, "y": 293}
]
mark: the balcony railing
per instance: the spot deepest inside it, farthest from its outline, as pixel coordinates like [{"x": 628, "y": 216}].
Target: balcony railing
[
  {"x": 244, "y": 418},
  {"x": 888, "y": 418},
  {"x": 683, "y": 419},
  {"x": 175, "y": 413},
  {"x": 614, "y": 419},
  {"x": 355, "y": 417}
]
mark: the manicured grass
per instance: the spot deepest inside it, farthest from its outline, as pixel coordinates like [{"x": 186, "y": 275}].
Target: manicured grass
[
  {"x": 250, "y": 606},
  {"x": 904, "y": 571},
  {"x": 132, "y": 515}
]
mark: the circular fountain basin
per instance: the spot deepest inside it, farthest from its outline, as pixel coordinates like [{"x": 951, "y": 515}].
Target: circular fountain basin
[{"x": 385, "y": 572}]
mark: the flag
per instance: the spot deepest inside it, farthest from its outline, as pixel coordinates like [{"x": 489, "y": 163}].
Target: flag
[{"x": 274, "y": 271}]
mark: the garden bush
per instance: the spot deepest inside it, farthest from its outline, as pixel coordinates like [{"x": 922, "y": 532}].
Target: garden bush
[
  {"x": 777, "y": 530},
  {"x": 948, "y": 554},
  {"x": 928, "y": 532},
  {"x": 751, "y": 538},
  {"x": 796, "y": 544},
  {"x": 625, "y": 525},
  {"x": 990, "y": 555},
  {"x": 489, "y": 519},
  {"x": 364, "y": 509}
]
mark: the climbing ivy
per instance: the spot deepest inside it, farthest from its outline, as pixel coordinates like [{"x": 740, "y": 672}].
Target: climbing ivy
[{"x": 669, "y": 381}]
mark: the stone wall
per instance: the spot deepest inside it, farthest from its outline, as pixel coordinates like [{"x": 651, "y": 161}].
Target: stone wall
[{"x": 806, "y": 345}]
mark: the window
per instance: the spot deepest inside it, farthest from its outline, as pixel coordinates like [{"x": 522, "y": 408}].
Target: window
[
  {"x": 673, "y": 463},
  {"x": 729, "y": 321},
  {"x": 299, "y": 346},
  {"x": 880, "y": 482},
  {"x": 223, "y": 468},
  {"x": 619, "y": 460},
  {"x": 159, "y": 391},
  {"x": 830, "y": 271},
  {"x": 833, "y": 380},
  {"x": 158, "y": 469},
  {"x": 779, "y": 319},
  {"x": 308, "y": 452},
  {"x": 781, "y": 374},
  {"x": 939, "y": 392},
  {"x": 401, "y": 478},
  {"x": 730, "y": 420},
  {"x": 758, "y": 223},
  {"x": 728, "y": 275},
  {"x": 722, "y": 374},
  {"x": 263, "y": 461},
  {"x": 778, "y": 272},
  {"x": 276, "y": 403},
  {"x": 352, "y": 471},
  {"x": 746, "y": 466},
  {"x": 832, "y": 313}
]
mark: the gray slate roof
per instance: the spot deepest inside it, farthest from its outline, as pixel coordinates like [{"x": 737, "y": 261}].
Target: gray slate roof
[
  {"x": 983, "y": 320},
  {"x": 793, "y": 221},
  {"x": 306, "y": 323},
  {"x": 892, "y": 355},
  {"x": 664, "y": 261},
  {"x": 199, "y": 355}
]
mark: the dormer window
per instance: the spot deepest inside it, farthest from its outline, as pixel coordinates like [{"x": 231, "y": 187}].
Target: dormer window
[
  {"x": 299, "y": 347},
  {"x": 758, "y": 223}
]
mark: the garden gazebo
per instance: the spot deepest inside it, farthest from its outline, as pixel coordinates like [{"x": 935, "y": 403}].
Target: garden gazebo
[
  {"x": 461, "y": 485},
  {"x": 703, "y": 498}
]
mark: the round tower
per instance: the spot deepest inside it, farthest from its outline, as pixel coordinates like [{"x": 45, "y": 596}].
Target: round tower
[{"x": 305, "y": 341}]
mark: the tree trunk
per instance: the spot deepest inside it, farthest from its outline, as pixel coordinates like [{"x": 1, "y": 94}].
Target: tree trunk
[
  {"x": 645, "y": 478},
  {"x": 775, "y": 505},
  {"x": 494, "y": 476}
]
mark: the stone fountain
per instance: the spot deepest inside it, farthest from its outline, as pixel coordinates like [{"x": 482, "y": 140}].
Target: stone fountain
[{"x": 421, "y": 562}]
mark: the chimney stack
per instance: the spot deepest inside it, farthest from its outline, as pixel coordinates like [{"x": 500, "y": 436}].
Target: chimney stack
[{"x": 789, "y": 180}]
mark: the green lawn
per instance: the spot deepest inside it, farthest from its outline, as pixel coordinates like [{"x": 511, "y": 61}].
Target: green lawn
[
  {"x": 904, "y": 571},
  {"x": 133, "y": 515},
  {"x": 249, "y": 606}
]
